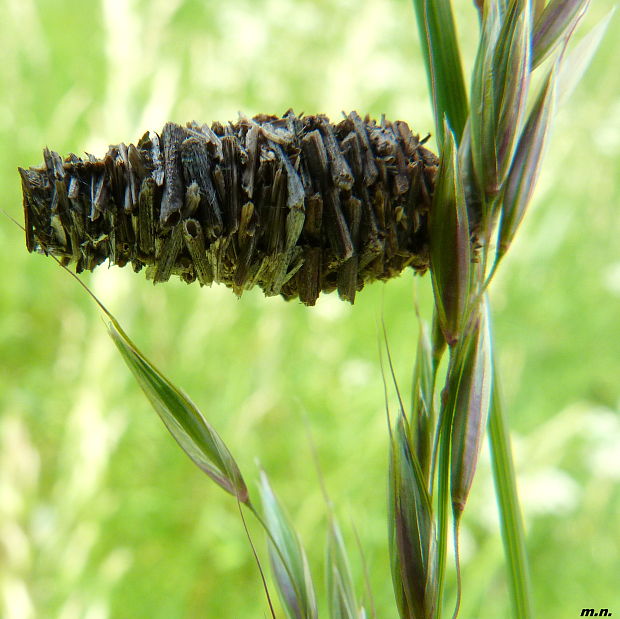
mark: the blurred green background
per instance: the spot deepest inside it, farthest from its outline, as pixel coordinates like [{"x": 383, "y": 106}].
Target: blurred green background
[{"x": 101, "y": 514}]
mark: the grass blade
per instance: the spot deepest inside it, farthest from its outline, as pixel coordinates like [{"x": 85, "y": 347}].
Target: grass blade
[
  {"x": 511, "y": 521},
  {"x": 185, "y": 422},
  {"x": 288, "y": 559},
  {"x": 443, "y": 65}
]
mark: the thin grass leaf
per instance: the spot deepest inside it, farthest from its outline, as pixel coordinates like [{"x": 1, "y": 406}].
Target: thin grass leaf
[
  {"x": 468, "y": 397},
  {"x": 576, "y": 63},
  {"x": 340, "y": 589},
  {"x": 554, "y": 24},
  {"x": 411, "y": 531},
  {"x": 288, "y": 559},
  {"x": 185, "y": 422},
  {"x": 450, "y": 250},
  {"x": 422, "y": 419},
  {"x": 526, "y": 165},
  {"x": 443, "y": 65}
]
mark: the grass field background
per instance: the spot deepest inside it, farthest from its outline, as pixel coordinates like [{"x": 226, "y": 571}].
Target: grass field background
[{"x": 101, "y": 514}]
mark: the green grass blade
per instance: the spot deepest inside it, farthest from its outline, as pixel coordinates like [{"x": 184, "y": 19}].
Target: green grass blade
[
  {"x": 288, "y": 559},
  {"x": 185, "y": 422},
  {"x": 443, "y": 65},
  {"x": 508, "y": 503}
]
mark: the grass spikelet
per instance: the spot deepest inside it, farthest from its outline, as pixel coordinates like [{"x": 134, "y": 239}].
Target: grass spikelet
[
  {"x": 339, "y": 582},
  {"x": 422, "y": 420},
  {"x": 483, "y": 118},
  {"x": 469, "y": 390},
  {"x": 411, "y": 531},
  {"x": 526, "y": 165},
  {"x": 450, "y": 249},
  {"x": 190, "y": 429},
  {"x": 511, "y": 79},
  {"x": 499, "y": 89},
  {"x": 554, "y": 25},
  {"x": 411, "y": 527},
  {"x": 288, "y": 559},
  {"x": 574, "y": 65}
]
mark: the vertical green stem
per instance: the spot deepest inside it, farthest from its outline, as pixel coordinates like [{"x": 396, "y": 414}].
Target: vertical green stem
[
  {"x": 444, "y": 432},
  {"x": 508, "y": 502},
  {"x": 443, "y": 511}
]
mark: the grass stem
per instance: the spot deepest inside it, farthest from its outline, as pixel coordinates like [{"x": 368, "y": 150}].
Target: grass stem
[
  {"x": 443, "y": 500},
  {"x": 511, "y": 521}
]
